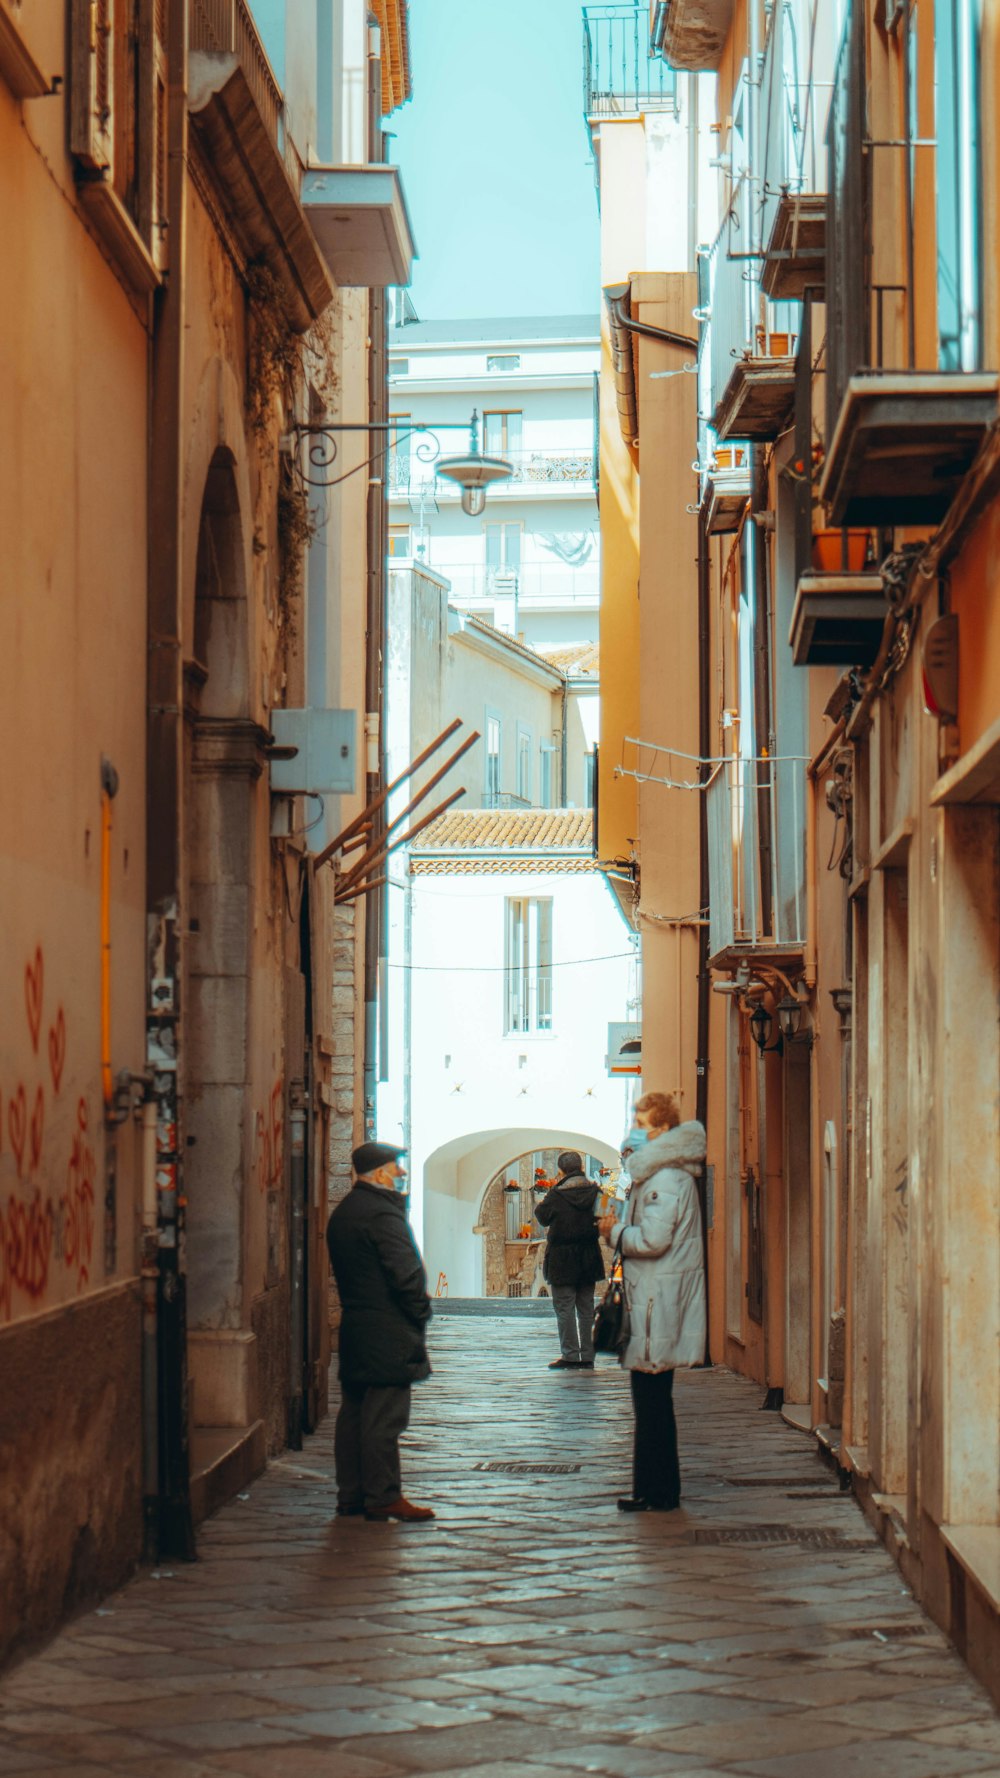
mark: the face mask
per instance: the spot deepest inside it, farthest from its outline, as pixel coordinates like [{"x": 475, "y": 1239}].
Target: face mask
[{"x": 634, "y": 1140}]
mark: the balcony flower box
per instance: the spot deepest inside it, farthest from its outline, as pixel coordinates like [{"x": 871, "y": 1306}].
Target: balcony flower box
[{"x": 828, "y": 551}]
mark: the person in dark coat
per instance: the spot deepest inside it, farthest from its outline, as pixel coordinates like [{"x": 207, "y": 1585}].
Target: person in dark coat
[
  {"x": 385, "y": 1310},
  {"x": 573, "y": 1261}
]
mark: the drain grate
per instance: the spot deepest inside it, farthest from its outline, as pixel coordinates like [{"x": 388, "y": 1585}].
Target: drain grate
[
  {"x": 770, "y": 1534},
  {"x": 529, "y": 1468},
  {"x": 777, "y": 1481},
  {"x": 886, "y": 1632}
]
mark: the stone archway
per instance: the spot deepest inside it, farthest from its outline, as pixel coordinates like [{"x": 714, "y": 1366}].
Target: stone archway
[
  {"x": 222, "y": 764},
  {"x": 455, "y": 1180},
  {"x": 513, "y": 1243}
]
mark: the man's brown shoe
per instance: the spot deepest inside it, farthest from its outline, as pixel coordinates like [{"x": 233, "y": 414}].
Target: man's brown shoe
[{"x": 400, "y": 1509}]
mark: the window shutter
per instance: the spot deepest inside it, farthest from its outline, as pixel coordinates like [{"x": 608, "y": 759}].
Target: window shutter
[
  {"x": 92, "y": 84},
  {"x": 153, "y": 129}
]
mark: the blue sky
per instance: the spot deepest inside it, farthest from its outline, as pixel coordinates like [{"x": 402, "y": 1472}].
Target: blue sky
[{"x": 495, "y": 160}]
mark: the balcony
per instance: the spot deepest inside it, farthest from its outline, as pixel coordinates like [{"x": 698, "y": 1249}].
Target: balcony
[
  {"x": 236, "y": 109},
  {"x": 756, "y": 851},
  {"x": 620, "y": 77},
  {"x": 903, "y": 443},
  {"x": 695, "y": 32},
  {"x": 752, "y": 374},
  {"x": 793, "y": 160},
  {"x": 900, "y": 438},
  {"x": 838, "y": 619},
  {"x": 536, "y": 586},
  {"x": 727, "y": 490},
  {"x": 562, "y": 471}
]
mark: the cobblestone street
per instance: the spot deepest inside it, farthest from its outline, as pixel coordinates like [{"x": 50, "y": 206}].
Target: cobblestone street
[{"x": 532, "y": 1628}]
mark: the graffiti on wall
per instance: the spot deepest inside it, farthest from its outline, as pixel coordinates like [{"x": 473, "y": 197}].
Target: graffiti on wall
[
  {"x": 47, "y": 1213},
  {"x": 269, "y": 1140}
]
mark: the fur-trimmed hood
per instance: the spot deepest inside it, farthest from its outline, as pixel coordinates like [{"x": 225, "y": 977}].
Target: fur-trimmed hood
[{"x": 684, "y": 1146}]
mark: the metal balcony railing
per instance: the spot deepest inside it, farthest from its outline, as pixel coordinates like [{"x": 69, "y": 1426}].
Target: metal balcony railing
[
  {"x": 537, "y": 586},
  {"x": 226, "y": 27},
  {"x": 620, "y": 77},
  {"x": 406, "y": 473},
  {"x": 757, "y": 898},
  {"x": 733, "y": 294},
  {"x": 793, "y": 119}
]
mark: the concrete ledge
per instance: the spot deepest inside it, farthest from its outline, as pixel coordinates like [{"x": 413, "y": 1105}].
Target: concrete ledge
[
  {"x": 224, "y": 1382},
  {"x": 223, "y": 1460}
]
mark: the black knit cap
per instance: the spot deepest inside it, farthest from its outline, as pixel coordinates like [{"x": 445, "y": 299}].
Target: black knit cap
[{"x": 373, "y": 1155}]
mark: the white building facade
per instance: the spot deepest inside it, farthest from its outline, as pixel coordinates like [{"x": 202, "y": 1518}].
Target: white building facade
[
  {"x": 516, "y": 962},
  {"x": 531, "y": 563}
]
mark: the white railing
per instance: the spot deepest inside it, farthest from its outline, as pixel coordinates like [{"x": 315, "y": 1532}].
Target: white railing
[
  {"x": 407, "y": 474},
  {"x": 744, "y": 885},
  {"x": 538, "y": 586}
]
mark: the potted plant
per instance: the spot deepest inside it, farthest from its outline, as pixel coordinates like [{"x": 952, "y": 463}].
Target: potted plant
[
  {"x": 775, "y": 345},
  {"x": 834, "y": 549}
]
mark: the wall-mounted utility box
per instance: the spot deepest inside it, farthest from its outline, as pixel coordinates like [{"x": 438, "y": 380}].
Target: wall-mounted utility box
[{"x": 325, "y": 759}]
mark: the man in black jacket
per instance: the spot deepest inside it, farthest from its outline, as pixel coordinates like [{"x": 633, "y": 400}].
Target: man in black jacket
[
  {"x": 573, "y": 1262},
  {"x": 385, "y": 1310}
]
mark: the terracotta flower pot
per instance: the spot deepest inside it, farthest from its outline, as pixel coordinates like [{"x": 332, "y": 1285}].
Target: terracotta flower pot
[{"x": 828, "y": 551}]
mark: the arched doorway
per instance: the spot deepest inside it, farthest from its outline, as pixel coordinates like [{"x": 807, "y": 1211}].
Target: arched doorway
[
  {"x": 221, "y": 766},
  {"x": 513, "y": 1244},
  {"x": 453, "y": 1182}
]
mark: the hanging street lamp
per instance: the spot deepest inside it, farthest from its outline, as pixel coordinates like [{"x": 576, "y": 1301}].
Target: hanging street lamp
[{"x": 473, "y": 472}]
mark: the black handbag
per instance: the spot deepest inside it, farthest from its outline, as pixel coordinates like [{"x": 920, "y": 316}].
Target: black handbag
[{"x": 612, "y": 1320}]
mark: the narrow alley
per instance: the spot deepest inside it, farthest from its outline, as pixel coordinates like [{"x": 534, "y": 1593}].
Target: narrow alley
[{"x": 530, "y": 1629}]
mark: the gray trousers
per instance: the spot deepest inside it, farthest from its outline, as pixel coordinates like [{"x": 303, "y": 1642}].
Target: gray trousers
[
  {"x": 574, "y": 1307},
  {"x": 366, "y": 1445}
]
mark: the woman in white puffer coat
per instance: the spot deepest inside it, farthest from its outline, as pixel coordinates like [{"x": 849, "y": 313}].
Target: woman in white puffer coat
[{"x": 663, "y": 1263}]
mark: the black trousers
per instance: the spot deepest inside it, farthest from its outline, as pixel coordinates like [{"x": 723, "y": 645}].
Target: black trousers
[
  {"x": 366, "y": 1445},
  {"x": 656, "y": 1473}
]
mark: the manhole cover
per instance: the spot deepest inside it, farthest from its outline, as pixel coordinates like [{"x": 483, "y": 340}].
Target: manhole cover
[
  {"x": 529, "y": 1468},
  {"x": 801, "y": 1534}
]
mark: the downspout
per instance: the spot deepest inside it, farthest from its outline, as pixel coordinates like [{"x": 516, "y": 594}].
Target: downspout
[
  {"x": 374, "y": 615},
  {"x": 813, "y": 770},
  {"x": 109, "y": 790},
  {"x": 704, "y": 894},
  {"x": 169, "y": 1515},
  {"x": 563, "y": 744}
]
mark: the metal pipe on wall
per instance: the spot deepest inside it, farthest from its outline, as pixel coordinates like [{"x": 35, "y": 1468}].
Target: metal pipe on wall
[
  {"x": 375, "y": 620},
  {"x": 704, "y": 894}
]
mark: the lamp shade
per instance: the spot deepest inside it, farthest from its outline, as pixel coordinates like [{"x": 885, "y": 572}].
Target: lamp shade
[
  {"x": 789, "y": 1015},
  {"x": 760, "y": 1025}
]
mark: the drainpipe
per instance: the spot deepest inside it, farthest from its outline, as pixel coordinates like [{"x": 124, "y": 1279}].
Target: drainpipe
[
  {"x": 164, "y": 821},
  {"x": 563, "y": 744},
  {"x": 375, "y": 922},
  {"x": 704, "y": 893},
  {"x": 109, "y": 790},
  {"x": 149, "y": 1275},
  {"x": 297, "y": 1102}
]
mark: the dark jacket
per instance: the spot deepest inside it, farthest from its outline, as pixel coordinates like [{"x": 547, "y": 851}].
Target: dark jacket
[
  {"x": 383, "y": 1290},
  {"x": 572, "y": 1249}
]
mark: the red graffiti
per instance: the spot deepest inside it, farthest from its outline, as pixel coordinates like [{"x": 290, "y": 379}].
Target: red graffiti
[
  {"x": 77, "y": 1202},
  {"x": 57, "y": 1049},
  {"x": 33, "y": 977},
  {"x": 37, "y": 1130},
  {"x": 269, "y": 1140},
  {"x": 25, "y": 1249},
  {"x": 17, "y": 1124}
]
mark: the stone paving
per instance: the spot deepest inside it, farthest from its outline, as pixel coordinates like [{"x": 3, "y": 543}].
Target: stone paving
[{"x": 532, "y": 1630}]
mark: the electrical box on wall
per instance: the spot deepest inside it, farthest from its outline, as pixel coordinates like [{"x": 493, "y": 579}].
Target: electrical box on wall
[{"x": 325, "y": 758}]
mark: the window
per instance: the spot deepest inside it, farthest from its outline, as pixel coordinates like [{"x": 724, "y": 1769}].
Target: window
[
  {"x": 504, "y": 361},
  {"x": 528, "y": 965},
  {"x": 399, "y": 367},
  {"x": 546, "y": 775},
  {"x": 118, "y": 125},
  {"x": 524, "y": 751},
  {"x": 501, "y": 433},
  {"x": 492, "y": 761},
  {"x": 503, "y": 549},
  {"x": 590, "y": 778},
  {"x": 959, "y": 184},
  {"x": 399, "y": 540}
]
